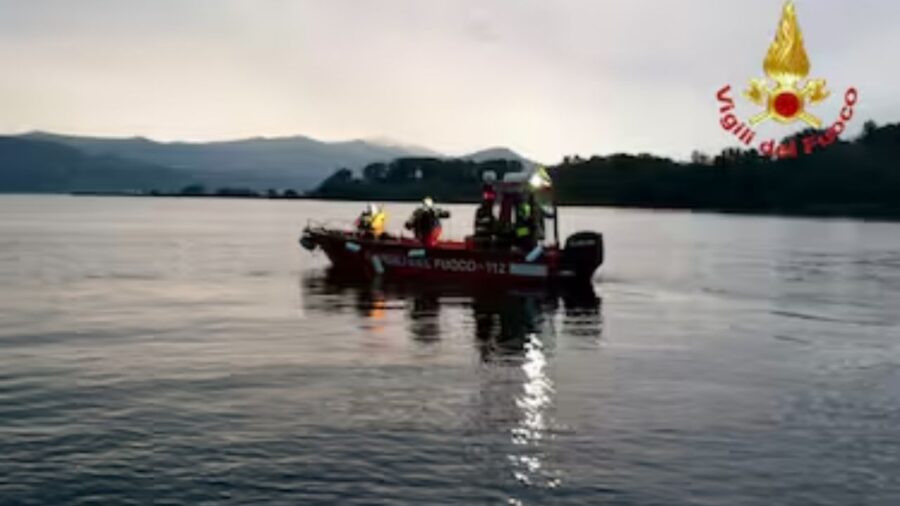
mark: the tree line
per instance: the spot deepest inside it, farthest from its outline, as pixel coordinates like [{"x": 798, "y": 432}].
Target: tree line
[
  {"x": 857, "y": 177},
  {"x": 448, "y": 180}
]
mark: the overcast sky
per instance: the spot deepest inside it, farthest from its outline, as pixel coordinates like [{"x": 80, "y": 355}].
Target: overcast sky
[{"x": 546, "y": 78}]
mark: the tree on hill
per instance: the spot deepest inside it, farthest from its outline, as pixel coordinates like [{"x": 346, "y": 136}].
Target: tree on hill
[{"x": 857, "y": 177}]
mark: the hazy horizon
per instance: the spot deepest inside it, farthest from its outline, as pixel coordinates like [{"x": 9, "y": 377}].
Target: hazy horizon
[{"x": 577, "y": 77}]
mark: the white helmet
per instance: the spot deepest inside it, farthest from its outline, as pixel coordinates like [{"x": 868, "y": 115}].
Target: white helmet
[
  {"x": 428, "y": 202},
  {"x": 373, "y": 209}
]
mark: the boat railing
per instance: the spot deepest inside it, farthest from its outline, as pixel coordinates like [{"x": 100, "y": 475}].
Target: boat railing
[
  {"x": 329, "y": 224},
  {"x": 347, "y": 226}
]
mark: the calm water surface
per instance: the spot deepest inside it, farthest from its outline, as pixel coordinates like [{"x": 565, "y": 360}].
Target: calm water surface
[{"x": 187, "y": 351}]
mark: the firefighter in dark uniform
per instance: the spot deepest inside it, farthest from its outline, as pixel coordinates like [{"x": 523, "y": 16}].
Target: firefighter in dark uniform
[
  {"x": 485, "y": 220},
  {"x": 425, "y": 222}
]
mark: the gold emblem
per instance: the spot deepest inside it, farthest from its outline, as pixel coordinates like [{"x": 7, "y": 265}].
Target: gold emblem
[{"x": 787, "y": 65}]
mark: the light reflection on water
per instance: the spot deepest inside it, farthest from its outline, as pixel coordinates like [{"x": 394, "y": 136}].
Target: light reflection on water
[
  {"x": 515, "y": 333},
  {"x": 533, "y": 427}
]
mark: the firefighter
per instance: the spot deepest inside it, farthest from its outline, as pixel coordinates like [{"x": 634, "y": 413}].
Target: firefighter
[
  {"x": 485, "y": 220},
  {"x": 371, "y": 222},
  {"x": 425, "y": 222},
  {"x": 525, "y": 231}
]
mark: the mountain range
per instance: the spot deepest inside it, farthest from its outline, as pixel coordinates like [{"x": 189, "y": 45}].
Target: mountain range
[{"x": 40, "y": 161}]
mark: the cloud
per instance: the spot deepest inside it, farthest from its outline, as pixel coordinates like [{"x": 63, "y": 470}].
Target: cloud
[{"x": 544, "y": 78}]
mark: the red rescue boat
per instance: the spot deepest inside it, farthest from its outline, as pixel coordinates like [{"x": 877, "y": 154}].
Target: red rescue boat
[{"x": 356, "y": 254}]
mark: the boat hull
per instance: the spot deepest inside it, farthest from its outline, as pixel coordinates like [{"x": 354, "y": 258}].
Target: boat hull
[{"x": 352, "y": 254}]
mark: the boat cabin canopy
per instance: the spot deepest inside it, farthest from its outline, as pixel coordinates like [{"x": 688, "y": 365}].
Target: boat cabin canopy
[{"x": 534, "y": 188}]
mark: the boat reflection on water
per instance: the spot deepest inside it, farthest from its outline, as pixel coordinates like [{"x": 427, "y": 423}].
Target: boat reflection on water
[
  {"x": 515, "y": 333},
  {"x": 508, "y": 324},
  {"x": 505, "y": 320}
]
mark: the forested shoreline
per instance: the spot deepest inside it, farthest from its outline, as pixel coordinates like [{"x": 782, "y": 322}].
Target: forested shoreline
[{"x": 858, "y": 177}]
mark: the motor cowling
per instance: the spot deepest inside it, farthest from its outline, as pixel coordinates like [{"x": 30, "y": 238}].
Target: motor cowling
[
  {"x": 306, "y": 240},
  {"x": 583, "y": 253}
]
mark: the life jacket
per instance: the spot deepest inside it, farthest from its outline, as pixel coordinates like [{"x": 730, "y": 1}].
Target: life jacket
[
  {"x": 377, "y": 222},
  {"x": 524, "y": 220}
]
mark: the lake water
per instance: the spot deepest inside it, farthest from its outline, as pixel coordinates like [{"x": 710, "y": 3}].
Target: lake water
[{"x": 187, "y": 351}]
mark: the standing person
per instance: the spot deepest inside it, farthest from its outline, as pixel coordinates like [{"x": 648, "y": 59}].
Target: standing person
[
  {"x": 379, "y": 219},
  {"x": 371, "y": 222},
  {"x": 525, "y": 227},
  {"x": 485, "y": 220},
  {"x": 425, "y": 222}
]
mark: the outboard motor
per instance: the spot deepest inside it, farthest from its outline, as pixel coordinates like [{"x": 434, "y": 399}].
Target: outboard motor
[
  {"x": 583, "y": 254},
  {"x": 307, "y": 241}
]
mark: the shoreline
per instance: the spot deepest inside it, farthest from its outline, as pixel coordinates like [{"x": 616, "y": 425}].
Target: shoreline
[{"x": 820, "y": 214}]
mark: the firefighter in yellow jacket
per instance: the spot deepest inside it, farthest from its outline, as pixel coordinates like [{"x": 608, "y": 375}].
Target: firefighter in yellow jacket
[{"x": 371, "y": 222}]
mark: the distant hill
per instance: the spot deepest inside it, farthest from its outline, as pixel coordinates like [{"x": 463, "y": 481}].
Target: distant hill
[
  {"x": 287, "y": 162},
  {"x": 65, "y": 163},
  {"x": 29, "y": 165},
  {"x": 445, "y": 179},
  {"x": 259, "y": 163},
  {"x": 499, "y": 153}
]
